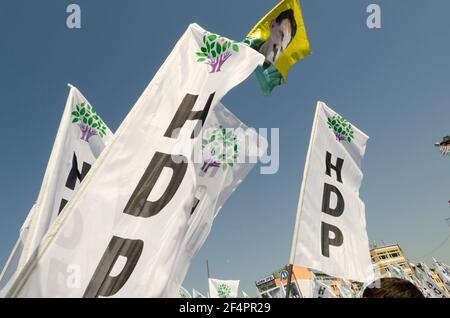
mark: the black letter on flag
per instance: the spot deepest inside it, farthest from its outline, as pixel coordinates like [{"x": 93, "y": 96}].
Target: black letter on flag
[
  {"x": 327, "y": 241},
  {"x": 74, "y": 174},
  {"x": 185, "y": 113},
  {"x": 138, "y": 204},
  {"x": 102, "y": 284},
  {"x": 337, "y": 212},
  {"x": 337, "y": 167}
]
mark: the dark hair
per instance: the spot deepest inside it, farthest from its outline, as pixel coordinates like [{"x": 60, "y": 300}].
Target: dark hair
[
  {"x": 392, "y": 288},
  {"x": 288, "y": 14}
]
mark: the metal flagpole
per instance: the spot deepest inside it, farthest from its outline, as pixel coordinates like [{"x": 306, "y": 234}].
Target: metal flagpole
[
  {"x": 300, "y": 203},
  {"x": 207, "y": 269}
]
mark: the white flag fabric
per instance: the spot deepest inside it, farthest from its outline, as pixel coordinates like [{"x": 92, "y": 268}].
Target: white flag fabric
[
  {"x": 13, "y": 260},
  {"x": 223, "y": 288},
  {"x": 197, "y": 294},
  {"x": 183, "y": 293},
  {"x": 132, "y": 210},
  {"x": 215, "y": 183},
  {"x": 427, "y": 284},
  {"x": 444, "y": 273},
  {"x": 245, "y": 295},
  {"x": 397, "y": 272},
  {"x": 322, "y": 291},
  {"x": 81, "y": 137},
  {"x": 345, "y": 291},
  {"x": 330, "y": 233}
]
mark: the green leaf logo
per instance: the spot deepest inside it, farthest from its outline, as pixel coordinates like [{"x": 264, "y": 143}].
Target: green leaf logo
[
  {"x": 224, "y": 291},
  {"x": 89, "y": 122},
  {"x": 342, "y": 129},
  {"x": 216, "y": 50}
]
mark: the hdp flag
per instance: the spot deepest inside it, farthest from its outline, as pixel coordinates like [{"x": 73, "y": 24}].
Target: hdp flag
[
  {"x": 132, "y": 211},
  {"x": 281, "y": 37},
  {"x": 81, "y": 137},
  {"x": 330, "y": 234}
]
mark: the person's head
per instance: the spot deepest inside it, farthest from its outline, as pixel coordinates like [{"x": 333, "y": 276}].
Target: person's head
[
  {"x": 392, "y": 288},
  {"x": 282, "y": 31}
]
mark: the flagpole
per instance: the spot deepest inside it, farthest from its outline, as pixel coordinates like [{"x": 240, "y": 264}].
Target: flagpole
[
  {"x": 207, "y": 269},
  {"x": 300, "y": 203}
]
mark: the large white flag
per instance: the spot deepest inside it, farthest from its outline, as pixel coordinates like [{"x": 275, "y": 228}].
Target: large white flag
[
  {"x": 81, "y": 137},
  {"x": 330, "y": 233},
  {"x": 345, "y": 291},
  {"x": 132, "y": 211},
  {"x": 216, "y": 179},
  {"x": 223, "y": 288}
]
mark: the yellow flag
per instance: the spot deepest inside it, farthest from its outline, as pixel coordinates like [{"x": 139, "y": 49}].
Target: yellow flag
[{"x": 281, "y": 37}]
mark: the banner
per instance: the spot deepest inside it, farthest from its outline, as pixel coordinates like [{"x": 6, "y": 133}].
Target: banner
[
  {"x": 330, "y": 233},
  {"x": 216, "y": 179},
  {"x": 133, "y": 208},
  {"x": 281, "y": 37},
  {"x": 223, "y": 288}
]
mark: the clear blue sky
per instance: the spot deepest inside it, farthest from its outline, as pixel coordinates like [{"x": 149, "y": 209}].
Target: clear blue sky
[{"x": 393, "y": 83}]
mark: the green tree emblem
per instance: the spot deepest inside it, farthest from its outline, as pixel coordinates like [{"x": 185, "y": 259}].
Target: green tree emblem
[
  {"x": 182, "y": 294},
  {"x": 216, "y": 50},
  {"x": 219, "y": 147},
  {"x": 342, "y": 128},
  {"x": 89, "y": 122},
  {"x": 224, "y": 291}
]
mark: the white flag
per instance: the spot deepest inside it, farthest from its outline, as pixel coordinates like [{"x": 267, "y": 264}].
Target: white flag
[
  {"x": 81, "y": 137},
  {"x": 223, "y": 288},
  {"x": 197, "y": 294},
  {"x": 12, "y": 263},
  {"x": 398, "y": 272},
  {"x": 345, "y": 291},
  {"x": 427, "y": 284},
  {"x": 132, "y": 211},
  {"x": 245, "y": 295},
  {"x": 444, "y": 273},
  {"x": 183, "y": 293},
  {"x": 216, "y": 181},
  {"x": 322, "y": 291},
  {"x": 330, "y": 233}
]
